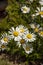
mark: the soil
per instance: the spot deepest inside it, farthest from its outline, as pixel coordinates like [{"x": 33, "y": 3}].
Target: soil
[{"x": 18, "y": 60}]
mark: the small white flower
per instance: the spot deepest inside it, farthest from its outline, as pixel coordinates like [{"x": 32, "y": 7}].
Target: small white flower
[
  {"x": 25, "y": 9},
  {"x": 35, "y": 27},
  {"x": 21, "y": 42},
  {"x": 22, "y": 29},
  {"x": 32, "y": 25},
  {"x": 41, "y": 32},
  {"x": 2, "y": 47},
  {"x": 28, "y": 48},
  {"x": 39, "y": 12},
  {"x": 5, "y": 38},
  {"x": 29, "y": 37},
  {"x": 14, "y": 32},
  {"x": 41, "y": 2}
]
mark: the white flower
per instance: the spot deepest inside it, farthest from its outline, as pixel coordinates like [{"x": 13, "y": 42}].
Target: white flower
[
  {"x": 29, "y": 37},
  {"x": 21, "y": 42},
  {"x": 35, "y": 27},
  {"x": 22, "y": 30},
  {"x": 32, "y": 25},
  {"x": 5, "y": 38},
  {"x": 41, "y": 2},
  {"x": 28, "y": 48},
  {"x": 15, "y": 33},
  {"x": 2, "y": 47},
  {"x": 38, "y": 12},
  {"x": 25, "y": 9},
  {"x": 41, "y": 32}
]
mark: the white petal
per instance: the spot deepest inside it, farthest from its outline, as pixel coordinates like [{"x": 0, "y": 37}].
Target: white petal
[
  {"x": 24, "y": 12},
  {"x": 21, "y": 26},
  {"x": 2, "y": 41},
  {"x": 42, "y": 16},
  {"x": 32, "y": 26},
  {"x": 17, "y": 38},
  {"x": 17, "y": 29},
  {"x": 12, "y": 28},
  {"x": 10, "y": 32},
  {"x": 19, "y": 44},
  {"x": 28, "y": 52},
  {"x": 38, "y": 8},
  {"x": 38, "y": 26},
  {"x": 37, "y": 14},
  {"x": 41, "y": 8},
  {"x": 41, "y": 2}
]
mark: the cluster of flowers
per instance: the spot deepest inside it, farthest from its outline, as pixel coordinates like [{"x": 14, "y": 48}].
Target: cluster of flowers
[
  {"x": 22, "y": 36},
  {"x": 39, "y": 10},
  {"x": 37, "y": 29}
]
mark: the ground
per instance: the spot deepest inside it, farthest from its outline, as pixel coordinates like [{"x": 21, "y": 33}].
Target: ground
[{"x": 6, "y": 59}]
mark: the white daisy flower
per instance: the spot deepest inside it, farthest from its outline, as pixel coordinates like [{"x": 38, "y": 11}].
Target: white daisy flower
[
  {"x": 32, "y": 25},
  {"x": 41, "y": 2},
  {"x": 15, "y": 33},
  {"x": 25, "y": 9},
  {"x": 29, "y": 37},
  {"x": 41, "y": 32},
  {"x": 28, "y": 48},
  {"x": 35, "y": 27},
  {"x": 21, "y": 42},
  {"x": 39, "y": 12},
  {"x": 22, "y": 29},
  {"x": 5, "y": 38},
  {"x": 2, "y": 47}
]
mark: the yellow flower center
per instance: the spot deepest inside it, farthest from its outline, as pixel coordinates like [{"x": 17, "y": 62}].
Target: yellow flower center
[
  {"x": 5, "y": 39},
  {"x": 22, "y": 41},
  {"x": 36, "y": 30},
  {"x": 28, "y": 48},
  {"x": 25, "y": 9},
  {"x": 15, "y": 33},
  {"x": 41, "y": 33},
  {"x": 22, "y": 30},
  {"x": 2, "y": 46},
  {"x": 29, "y": 36},
  {"x": 41, "y": 13}
]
